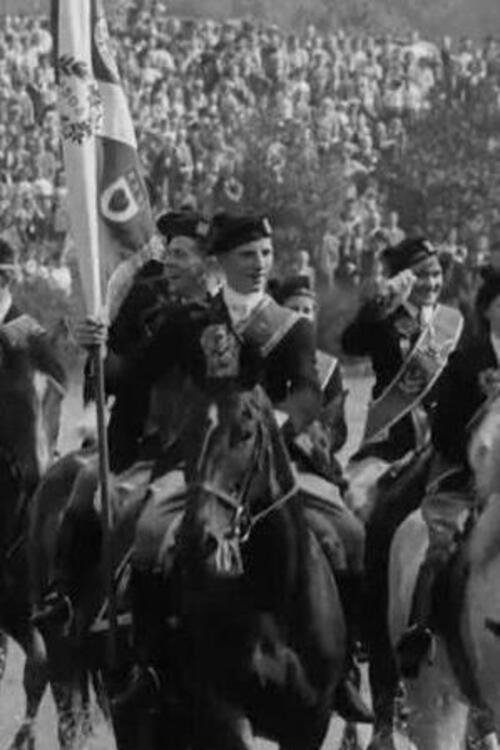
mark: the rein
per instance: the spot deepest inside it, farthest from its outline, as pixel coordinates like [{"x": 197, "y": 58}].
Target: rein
[{"x": 244, "y": 522}]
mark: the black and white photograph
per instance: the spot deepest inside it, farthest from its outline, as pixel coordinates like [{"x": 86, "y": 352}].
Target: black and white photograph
[{"x": 249, "y": 375}]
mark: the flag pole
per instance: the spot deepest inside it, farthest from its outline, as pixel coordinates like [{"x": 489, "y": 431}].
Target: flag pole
[{"x": 97, "y": 354}]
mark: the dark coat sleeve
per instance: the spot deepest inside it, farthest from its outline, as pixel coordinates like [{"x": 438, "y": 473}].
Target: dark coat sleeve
[
  {"x": 458, "y": 398},
  {"x": 334, "y": 409},
  {"x": 367, "y": 332},
  {"x": 294, "y": 364}
]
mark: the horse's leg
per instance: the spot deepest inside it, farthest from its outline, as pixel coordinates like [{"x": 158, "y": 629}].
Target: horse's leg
[
  {"x": 437, "y": 718},
  {"x": 65, "y": 673},
  {"x": 35, "y": 680},
  {"x": 482, "y": 730}
]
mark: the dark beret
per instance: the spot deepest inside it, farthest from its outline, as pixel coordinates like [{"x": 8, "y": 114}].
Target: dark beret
[
  {"x": 7, "y": 256},
  {"x": 183, "y": 224},
  {"x": 230, "y": 232},
  {"x": 407, "y": 253},
  {"x": 293, "y": 287}
]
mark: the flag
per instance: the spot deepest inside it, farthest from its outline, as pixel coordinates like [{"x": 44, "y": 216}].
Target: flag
[{"x": 107, "y": 197}]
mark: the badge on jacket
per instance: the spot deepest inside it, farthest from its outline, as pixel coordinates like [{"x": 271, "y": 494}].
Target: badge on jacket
[{"x": 222, "y": 351}]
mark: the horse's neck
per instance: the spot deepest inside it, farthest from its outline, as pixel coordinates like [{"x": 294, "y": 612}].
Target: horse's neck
[
  {"x": 277, "y": 550},
  {"x": 485, "y": 541}
]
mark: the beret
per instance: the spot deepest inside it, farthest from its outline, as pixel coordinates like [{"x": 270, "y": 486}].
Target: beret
[
  {"x": 408, "y": 253},
  {"x": 183, "y": 224},
  {"x": 230, "y": 231},
  {"x": 293, "y": 287},
  {"x": 7, "y": 256}
]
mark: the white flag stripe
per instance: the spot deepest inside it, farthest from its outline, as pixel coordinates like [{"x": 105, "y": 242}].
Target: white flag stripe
[
  {"x": 81, "y": 168},
  {"x": 116, "y": 122},
  {"x": 80, "y": 158}
]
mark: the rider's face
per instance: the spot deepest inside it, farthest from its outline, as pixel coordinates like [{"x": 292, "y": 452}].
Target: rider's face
[
  {"x": 429, "y": 282},
  {"x": 304, "y": 305},
  {"x": 247, "y": 267},
  {"x": 492, "y": 315},
  {"x": 182, "y": 262}
]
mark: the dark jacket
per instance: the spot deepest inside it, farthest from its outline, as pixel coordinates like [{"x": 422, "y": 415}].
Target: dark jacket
[
  {"x": 182, "y": 345},
  {"x": 459, "y": 396},
  {"x": 386, "y": 338}
]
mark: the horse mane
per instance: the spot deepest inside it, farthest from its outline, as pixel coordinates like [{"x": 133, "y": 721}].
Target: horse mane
[{"x": 484, "y": 458}]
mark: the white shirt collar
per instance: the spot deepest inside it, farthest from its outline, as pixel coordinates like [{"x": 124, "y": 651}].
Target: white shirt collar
[
  {"x": 495, "y": 342},
  {"x": 5, "y": 305},
  {"x": 422, "y": 314},
  {"x": 240, "y": 305}
]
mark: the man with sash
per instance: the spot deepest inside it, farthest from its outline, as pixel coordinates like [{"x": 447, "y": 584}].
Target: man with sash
[
  {"x": 471, "y": 379},
  {"x": 142, "y": 292},
  {"x": 327, "y": 435},
  {"x": 240, "y": 336},
  {"x": 408, "y": 337},
  {"x": 314, "y": 455}
]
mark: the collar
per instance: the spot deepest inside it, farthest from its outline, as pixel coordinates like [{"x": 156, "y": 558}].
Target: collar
[
  {"x": 240, "y": 305},
  {"x": 422, "y": 315},
  {"x": 5, "y": 305}
]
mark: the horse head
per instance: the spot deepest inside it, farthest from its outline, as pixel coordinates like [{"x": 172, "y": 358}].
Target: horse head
[
  {"x": 241, "y": 472},
  {"x": 30, "y": 396}
]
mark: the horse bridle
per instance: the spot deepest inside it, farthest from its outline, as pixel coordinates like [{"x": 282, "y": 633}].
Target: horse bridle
[{"x": 244, "y": 522}]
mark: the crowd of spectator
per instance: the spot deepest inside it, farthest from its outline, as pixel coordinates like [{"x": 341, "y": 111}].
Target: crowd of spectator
[{"x": 200, "y": 90}]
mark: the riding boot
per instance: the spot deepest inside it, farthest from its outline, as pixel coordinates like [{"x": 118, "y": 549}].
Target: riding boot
[
  {"x": 348, "y": 701},
  {"x": 418, "y": 639},
  {"x": 150, "y": 615}
]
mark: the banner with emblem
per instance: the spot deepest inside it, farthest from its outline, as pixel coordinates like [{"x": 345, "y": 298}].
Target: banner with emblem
[
  {"x": 419, "y": 372},
  {"x": 108, "y": 201}
]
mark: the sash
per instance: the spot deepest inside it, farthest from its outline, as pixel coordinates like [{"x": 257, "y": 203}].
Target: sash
[
  {"x": 417, "y": 375},
  {"x": 326, "y": 365},
  {"x": 267, "y": 325}
]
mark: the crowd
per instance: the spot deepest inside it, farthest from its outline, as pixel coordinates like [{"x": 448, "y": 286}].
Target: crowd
[{"x": 241, "y": 115}]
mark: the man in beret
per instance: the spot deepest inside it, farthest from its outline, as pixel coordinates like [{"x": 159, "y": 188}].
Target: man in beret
[
  {"x": 387, "y": 329},
  {"x": 242, "y": 335},
  {"x": 408, "y": 337},
  {"x": 471, "y": 377},
  {"x": 141, "y": 293},
  {"x": 145, "y": 289}
]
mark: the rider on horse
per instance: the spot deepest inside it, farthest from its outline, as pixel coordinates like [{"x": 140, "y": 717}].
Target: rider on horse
[
  {"x": 398, "y": 328},
  {"x": 141, "y": 296},
  {"x": 408, "y": 337},
  {"x": 326, "y": 436},
  {"x": 472, "y": 376}
]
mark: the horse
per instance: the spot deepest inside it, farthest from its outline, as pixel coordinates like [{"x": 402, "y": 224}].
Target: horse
[
  {"x": 31, "y": 391},
  {"x": 262, "y": 636},
  {"x": 77, "y": 656},
  {"x": 438, "y": 706}
]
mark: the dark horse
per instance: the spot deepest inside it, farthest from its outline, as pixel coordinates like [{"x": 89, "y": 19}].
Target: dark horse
[
  {"x": 262, "y": 628},
  {"x": 31, "y": 389}
]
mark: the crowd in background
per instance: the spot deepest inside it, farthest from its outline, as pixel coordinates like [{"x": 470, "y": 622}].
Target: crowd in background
[{"x": 207, "y": 97}]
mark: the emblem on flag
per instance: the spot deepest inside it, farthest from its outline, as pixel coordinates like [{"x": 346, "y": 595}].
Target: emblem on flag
[{"x": 107, "y": 196}]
